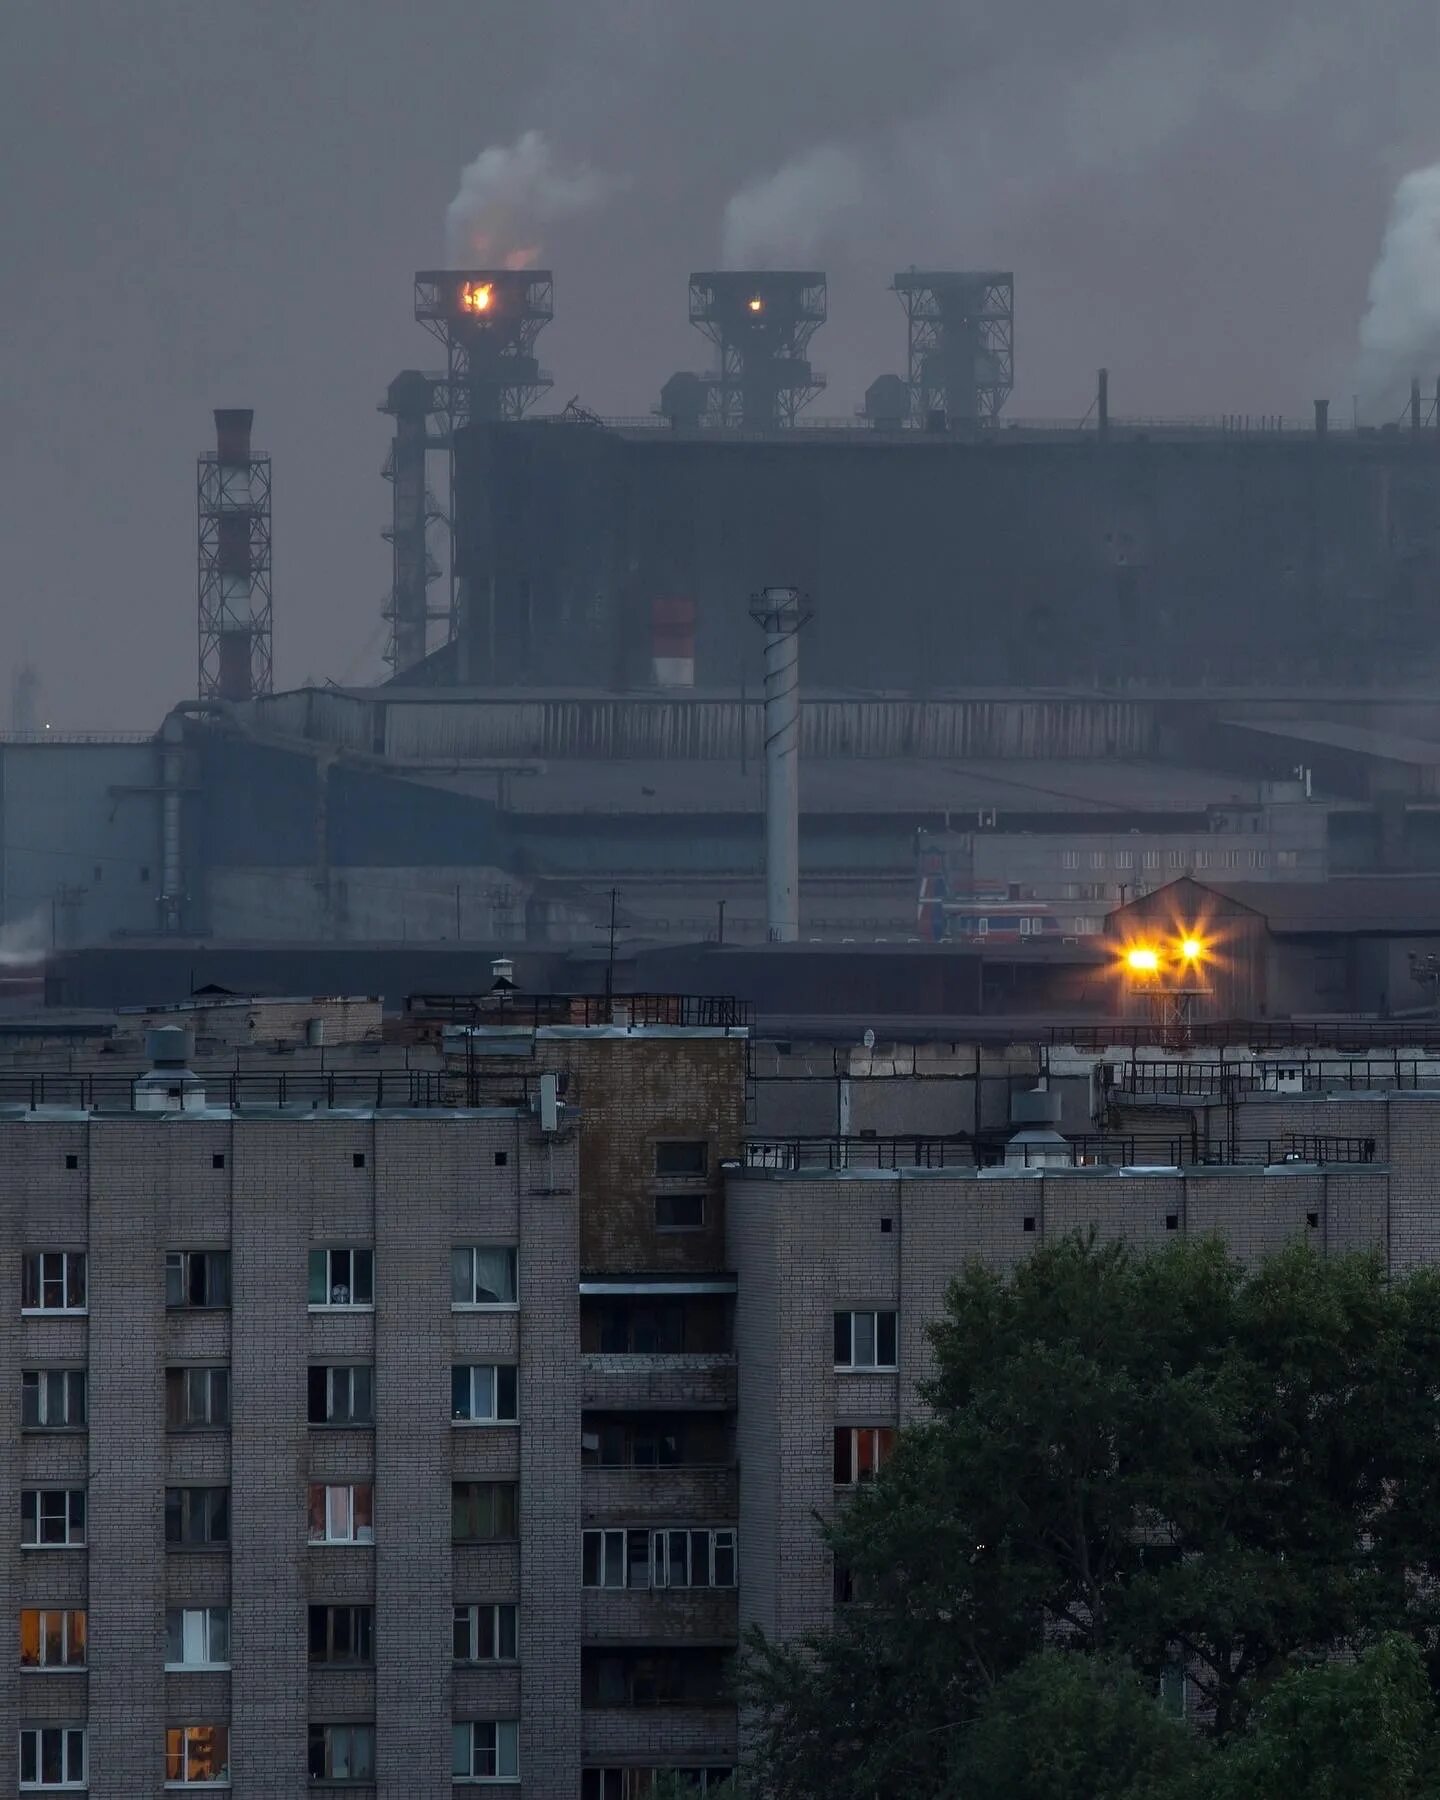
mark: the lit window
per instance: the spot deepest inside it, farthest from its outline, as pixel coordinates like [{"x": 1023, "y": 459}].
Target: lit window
[
  {"x": 342, "y": 1278},
  {"x": 486, "y": 1750},
  {"x": 52, "y": 1640},
  {"x": 197, "y": 1754},
  {"x": 341, "y": 1515},
  {"x": 197, "y": 1637},
  {"x": 52, "y": 1518},
  {"x": 341, "y": 1396},
  {"x": 196, "y": 1517},
  {"x": 485, "y": 1633},
  {"x": 197, "y": 1278},
  {"x": 53, "y": 1281},
  {"x": 342, "y": 1752},
  {"x": 342, "y": 1634},
  {"x": 865, "y": 1340},
  {"x": 197, "y": 1397},
  {"x": 483, "y": 1393},
  {"x": 483, "y": 1510},
  {"x": 484, "y": 1275},
  {"x": 52, "y": 1398},
  {"x": 860, "y": 1451},
  {"x": 53, "y": 1757},
  {"x": 618, "y": 1558}
]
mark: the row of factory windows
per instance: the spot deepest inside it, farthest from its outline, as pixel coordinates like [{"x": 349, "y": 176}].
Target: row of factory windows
[
  {"x": 57, "y": 1756},
  {"x": 1183, "y": 857}
]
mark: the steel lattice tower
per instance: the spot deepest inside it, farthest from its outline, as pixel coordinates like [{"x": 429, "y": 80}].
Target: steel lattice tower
[
  {"x": 962, "y": 342},
  {"x": 232, "y": 491},
  {"x": 761, "y": 322},
  {"x": 488, "y": 321}
]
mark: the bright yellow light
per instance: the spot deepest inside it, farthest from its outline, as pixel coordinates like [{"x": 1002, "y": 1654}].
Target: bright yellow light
[
  {"x": 1191, "y": 949},
  {"x": 475, "y": 296},
  {"x": 755, "y": 305},
  {"x": 1142, "y": 960}
]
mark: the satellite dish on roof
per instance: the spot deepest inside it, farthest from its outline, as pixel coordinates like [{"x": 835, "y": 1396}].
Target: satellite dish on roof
[{"x": 869, "y": 1039}]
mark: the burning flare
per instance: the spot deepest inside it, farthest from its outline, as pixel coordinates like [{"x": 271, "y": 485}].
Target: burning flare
[{"x": 476, "y": 296}]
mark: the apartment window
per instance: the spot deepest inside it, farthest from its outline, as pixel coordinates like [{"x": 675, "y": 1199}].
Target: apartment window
[
  {"x": 197, "y": 1754},
  {"x": 486, "y": 1750},
  {"x": 1259, "y": 859},
  {"x": 679, "y": 1212},
  {"x": 484, "y": 1275},
  {"x": 53, "y": 1281},
  {"x": 1230, "y": 859},
  {"x": 484, "y": 1393},
  {"x": 52, "y": 1399},
  {"x": 197, "y": 1397},
  {"x": 1124, "y": 859},
  {"x": 52, "y": 1518},
  {"x": 197, "y": 1637},
  {"x": 682, "y": 1156},
  {"x": 481, "y": 1510},
  {"x": 1201, "y": 859},
  {"x": 341, "y": 1396},
  {"x": 52, "y": 1640},
  {"x": 1097, "y": 859},
  {"x": 657, "y": 1559},
  {"x": 341, "y": 1515},
  {"x": 639, "y": 1784},
  {"x": 197, "y": 1278},
  {"x": 342, "y": 1752},
  {"x": 196, "y": 1517},
  {"x": 342, "y": 1278},
  {"x": 1069, "y": 859},
  {"x": 1175, "y": 858},
  {"x": 1287, "y": 859},
  {"x": 1084, "y": 925},
  {"x": 53, "y": 1757},
  {"x": 485, "y": 1633},
  {"x": 861, "y": 1451},
  {"x": 865, "y": 1340},
  {"x": 342, "y": 1634},
  {"x": 1150, "y": 859}
]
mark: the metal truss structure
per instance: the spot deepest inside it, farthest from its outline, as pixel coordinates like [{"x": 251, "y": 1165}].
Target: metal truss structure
[
  {"x": 761, "y": 322},
  {"x": 962, "y": 343},
  {"x": 232, "y": 505}
]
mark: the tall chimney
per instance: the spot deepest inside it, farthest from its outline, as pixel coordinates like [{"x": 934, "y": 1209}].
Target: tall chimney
[
  {"x": 672, "y": 641},
  {"x": 1322, "y": 417},
  {"x": 782, "y": 611}
]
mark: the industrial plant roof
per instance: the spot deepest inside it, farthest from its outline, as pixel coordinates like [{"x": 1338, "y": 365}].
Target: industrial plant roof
[
  {"x": 1399, "y": 904},
  {"x": 1359, "y": 740},
  {"x": 858, "y": 785}
]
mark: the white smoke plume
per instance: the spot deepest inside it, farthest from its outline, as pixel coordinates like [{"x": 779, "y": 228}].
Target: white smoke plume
[
  {"x": 1400, "y": 333},
  {"x": 508, "y": 195},
  {"x": 786, "y": 217},
  {"x": 23, "y": 942}
]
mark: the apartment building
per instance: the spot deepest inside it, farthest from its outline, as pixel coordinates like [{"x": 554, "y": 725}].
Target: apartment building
[
  {"x": 843, "y": 1264},
  {"x": 347, "y": 1452}
]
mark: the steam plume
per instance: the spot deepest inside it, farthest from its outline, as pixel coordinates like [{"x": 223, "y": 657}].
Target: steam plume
[
  {"x": 786, "y": 216},
  {"x": 23, "y": 941},
  {"x": 1400, "y": 333},
  {"x": 507, "y": 194}
]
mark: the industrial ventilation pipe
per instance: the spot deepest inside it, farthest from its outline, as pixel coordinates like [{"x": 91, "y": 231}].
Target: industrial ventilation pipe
[{"x": 782, "y": 611}]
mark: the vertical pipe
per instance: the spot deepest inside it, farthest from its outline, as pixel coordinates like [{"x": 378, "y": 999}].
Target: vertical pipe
[
  {"x": 781, "y": 611},
  {"x": 1414, "y": 402},
  {"x": 1102, "y": 404},
  {"x": 172, "y": 785},
  {"x": 1322, "y": 417}
]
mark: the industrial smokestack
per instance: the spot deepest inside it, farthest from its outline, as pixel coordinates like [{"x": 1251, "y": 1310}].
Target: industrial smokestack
[
  {"x": 782, "y": 611},
  {"x": 672, "y": 641},
  {"x": 233, "y": 506},
  {"x": 1322, "y": 417}
]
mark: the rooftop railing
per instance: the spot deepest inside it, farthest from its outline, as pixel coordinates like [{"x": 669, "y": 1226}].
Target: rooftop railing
[{"x": 1089, "y": 1150}]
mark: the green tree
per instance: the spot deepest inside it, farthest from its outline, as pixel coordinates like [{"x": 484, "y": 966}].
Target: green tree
[{"x": 1157, "y": 1460}]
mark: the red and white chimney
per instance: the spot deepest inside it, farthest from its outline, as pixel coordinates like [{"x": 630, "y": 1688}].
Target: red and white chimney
[{"x": 672, "y": 641}]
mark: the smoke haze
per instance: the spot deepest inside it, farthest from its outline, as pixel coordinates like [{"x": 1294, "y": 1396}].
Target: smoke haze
[
  {"x": 1400, "y": 333},
  {"x": 507, "y": 198},
  {"x": 228, "y": 207}
]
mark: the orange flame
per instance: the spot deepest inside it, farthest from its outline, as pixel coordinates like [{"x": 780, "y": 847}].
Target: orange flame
[{"x": 476, "y": 296}]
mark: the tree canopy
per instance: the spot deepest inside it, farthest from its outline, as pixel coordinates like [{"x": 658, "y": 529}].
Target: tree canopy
[{"x": 1144, "y": 1476}]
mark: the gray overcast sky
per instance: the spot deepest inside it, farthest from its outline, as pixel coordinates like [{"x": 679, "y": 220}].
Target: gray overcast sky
[{"x": 210, "y": 203}]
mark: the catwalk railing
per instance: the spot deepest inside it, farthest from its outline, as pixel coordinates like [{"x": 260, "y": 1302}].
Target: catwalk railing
[
  {"x": 1132, "y": 1150},
  {"x": 303, "y": 1089}
]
